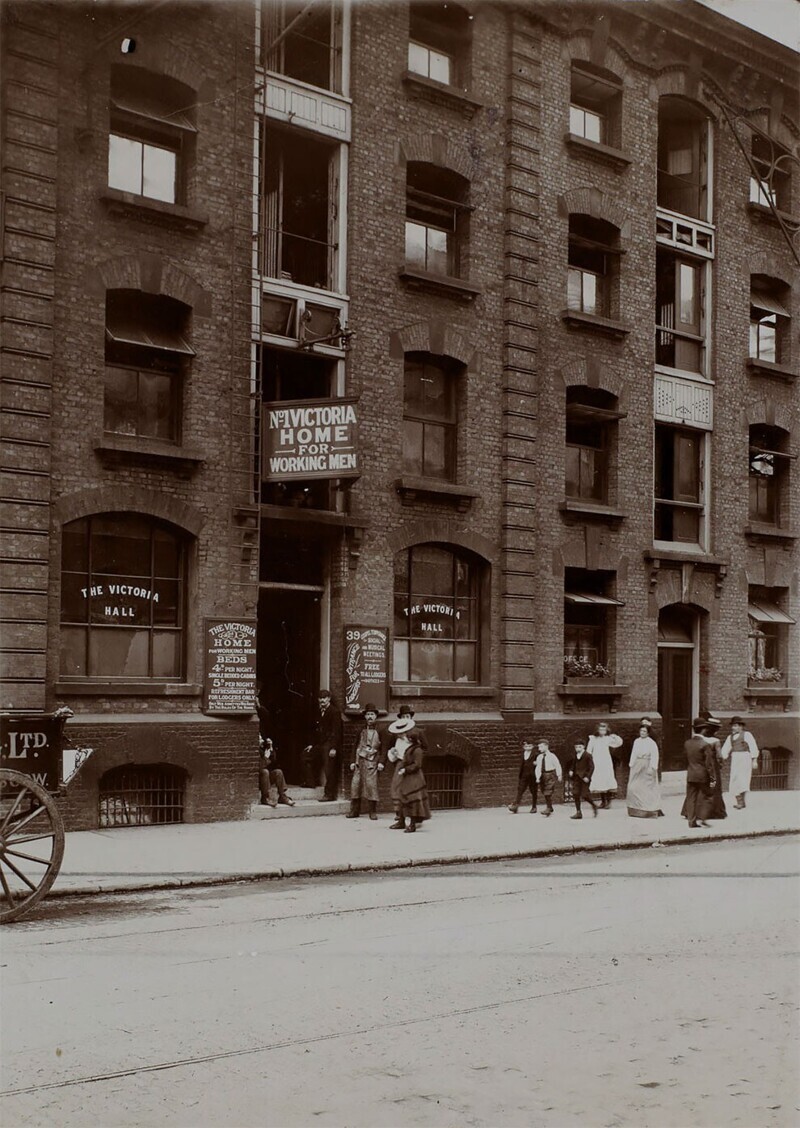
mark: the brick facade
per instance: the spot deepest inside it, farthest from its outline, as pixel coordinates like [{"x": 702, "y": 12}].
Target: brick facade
[{"x": 503, "y": 323}]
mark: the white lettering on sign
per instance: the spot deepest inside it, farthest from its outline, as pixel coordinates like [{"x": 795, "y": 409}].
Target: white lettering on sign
[
  {"x": 20, "y": 743},
  {"x": 324, "y": 415},
  {"x": 121, "y": 589}
]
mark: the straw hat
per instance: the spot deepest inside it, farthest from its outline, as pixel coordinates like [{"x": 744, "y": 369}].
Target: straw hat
[{"x": 401, "y": 725}]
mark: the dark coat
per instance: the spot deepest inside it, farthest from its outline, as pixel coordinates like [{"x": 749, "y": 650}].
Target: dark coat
[
  {"x": 412, "y": 788},
  {"x": 527, "y": 768},
  {"x": 582, "y": 768},
  {"x": 328, "y": 731},
  {"x": 700, "y": 764}
]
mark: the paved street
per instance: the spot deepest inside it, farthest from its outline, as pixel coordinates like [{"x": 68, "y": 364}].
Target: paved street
[{"x": 651, "y": 988}]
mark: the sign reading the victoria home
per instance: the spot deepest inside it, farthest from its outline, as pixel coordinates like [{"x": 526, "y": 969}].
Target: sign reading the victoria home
[
  {"x": 310, "y": 439},
  {"x": 230, "y": 681},
  {"x": 366, "y": 665}
]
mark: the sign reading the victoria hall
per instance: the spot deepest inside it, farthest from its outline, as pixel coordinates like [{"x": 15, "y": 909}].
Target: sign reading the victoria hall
[
  {"x": 310, "y": 439},
  {"x": 366, "y": 665},
  {"x": 230, "y": 681}
]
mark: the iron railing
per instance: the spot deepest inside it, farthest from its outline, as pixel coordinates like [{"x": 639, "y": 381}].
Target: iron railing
[{"x": 772, "y": 773}]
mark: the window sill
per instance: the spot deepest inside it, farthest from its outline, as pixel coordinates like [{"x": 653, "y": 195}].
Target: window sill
[
  {"x": 606, "y": 154},
  {"x": 769, "y": 693},
  {"x": 127, "y": 689},
  {"x": 771, "y": 532},
  {"x": 611, "y": 693},
  {"x": 152, "y": 211},
  {"x": 130, "y": 448},
  {"x": 444, "y": 689},
  {"x": 438, "y": 284},
  {"x": 574, "y": 319},
  {"x": 411, "y": 489},
  {"x": 588, "y": 509},
  {"x": 764, "y": 213},
  {"x": 767, "y": 368},
  {"x": 441, "y": 94}
]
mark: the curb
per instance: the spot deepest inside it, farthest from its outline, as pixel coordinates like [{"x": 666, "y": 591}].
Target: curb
[{"x": 299, "y": 871}]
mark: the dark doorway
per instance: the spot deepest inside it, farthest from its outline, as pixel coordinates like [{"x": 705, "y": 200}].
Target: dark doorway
[
  {"x": 288, "y": 669},
  {"x": 675, "y": 704}
]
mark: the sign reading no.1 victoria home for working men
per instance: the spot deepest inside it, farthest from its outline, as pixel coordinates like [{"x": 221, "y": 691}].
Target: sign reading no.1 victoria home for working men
[{"x": 310, "y": 439}]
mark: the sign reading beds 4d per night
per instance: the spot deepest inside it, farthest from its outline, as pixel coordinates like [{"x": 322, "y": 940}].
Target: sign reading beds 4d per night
[
  {"x": 310, "y": 439},
  {"x": 230, "y": 667}
]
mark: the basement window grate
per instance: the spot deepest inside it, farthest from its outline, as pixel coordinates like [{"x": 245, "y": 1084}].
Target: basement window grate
[
  {"x": 142, "y": 795},
  {"x": 444, "y": 776}
]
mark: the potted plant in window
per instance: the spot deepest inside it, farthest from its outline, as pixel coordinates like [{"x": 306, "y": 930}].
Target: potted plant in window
[
  {"x": 764, "y": 675},
  {"x": 578, "y": 669}
]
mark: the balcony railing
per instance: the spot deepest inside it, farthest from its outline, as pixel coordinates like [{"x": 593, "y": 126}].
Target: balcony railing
[{"x": 297, "y": 258}]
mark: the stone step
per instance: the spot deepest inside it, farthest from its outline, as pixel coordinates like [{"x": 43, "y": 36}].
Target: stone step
[{"x": 306, "y": 805}]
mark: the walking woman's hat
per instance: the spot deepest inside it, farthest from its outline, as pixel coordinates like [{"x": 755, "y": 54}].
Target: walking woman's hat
[{"x": 403, "y": 724}]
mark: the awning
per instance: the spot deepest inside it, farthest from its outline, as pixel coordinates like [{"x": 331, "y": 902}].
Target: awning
[
  {"x": 585, "y": 411},
  {"x": 148, "y": 336},
  {"x": 139, "y": 104},
  {"x": 767, "y": 613},
  {"x": 590, "y": 597},
  {"x": 761, "y": 299}
]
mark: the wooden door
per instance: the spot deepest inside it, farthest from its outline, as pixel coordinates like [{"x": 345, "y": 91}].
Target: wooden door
[{"x": 675, "y": 704}]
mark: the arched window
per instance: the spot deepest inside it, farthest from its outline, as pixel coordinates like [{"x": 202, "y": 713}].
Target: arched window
[
  {"x": 773, "y": 184},
  {"x": 439, "y": 37},
  {"x": 769, "y": 320},
  {"x": 437, "y": 614},
  {"x": 769, "y": 471},
  {"x": 436, "y": 220},
  {"x": 123, "y": 581},
  {"x": 595, "y": 104},
  {"x": 147, "y": 356},
  {"x": 591, "y": 433},
  {"x": 151, "y": 136},
  {"x": 430, "y": 421}
]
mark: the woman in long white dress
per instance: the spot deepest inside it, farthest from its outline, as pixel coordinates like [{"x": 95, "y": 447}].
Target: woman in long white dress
[
  {"x": 644, "y": 791},
  {"x": 599, "y": 745}
]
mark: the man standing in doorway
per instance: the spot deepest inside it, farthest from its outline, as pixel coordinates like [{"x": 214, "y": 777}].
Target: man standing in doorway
[{"x": 325, "y": 748}]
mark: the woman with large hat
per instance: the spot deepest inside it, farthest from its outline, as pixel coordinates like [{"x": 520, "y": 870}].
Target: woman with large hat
[{"x": 400, "y": 730}]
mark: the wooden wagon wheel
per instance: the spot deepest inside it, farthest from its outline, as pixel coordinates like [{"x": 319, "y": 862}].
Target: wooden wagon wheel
[{"x": 31, "y": 843}]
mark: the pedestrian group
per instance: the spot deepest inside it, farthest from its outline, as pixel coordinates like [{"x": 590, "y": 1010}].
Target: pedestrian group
[{"x": 591, "y": 770}]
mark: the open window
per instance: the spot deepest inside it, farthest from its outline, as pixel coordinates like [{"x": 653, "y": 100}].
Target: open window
[
  {"x": 147, "y": 358},
  {"x": 300, "y": 230},
  {"x": 123, "y": 590},
  {"x": 680, "y": 311},
  {"x": 430, "y": 419},
  {"x": 679, "y": 515},
  {"x": 151, "y": 136},
  {"x": 769, "y": 320},
  {"x": 592, "y": 272},
  {"x": 773, "y": 184},
  {"x": 437, "y": 211},
  {"x": 439, "y": 41},
  {"x": 591, "y": 441},
  {"x": 595, "y": 104},
  {"x": 768, "y": 636},
  {"x": 589, "y": 622},
  {"x": 303, "y": 41},
  {"x": 439, "y": 593},
  {"x": 684, "y": 140},
  {"x": 769, "y": 462}
]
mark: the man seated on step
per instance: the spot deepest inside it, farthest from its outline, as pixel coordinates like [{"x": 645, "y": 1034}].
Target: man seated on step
[{"x": 270, "y": 774}]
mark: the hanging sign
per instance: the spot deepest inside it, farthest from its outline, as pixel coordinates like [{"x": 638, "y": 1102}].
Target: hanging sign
[
  {"x": 366, "y": 668},
  {"x": 230, "y": 666},
  {"x": 310, "y": 439}
]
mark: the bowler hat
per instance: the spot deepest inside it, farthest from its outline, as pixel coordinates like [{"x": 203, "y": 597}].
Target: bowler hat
[
  {"x": 737, "y": 721},
  {"x": 405, "y": 711},
  {"x": 369, "y": 708}
]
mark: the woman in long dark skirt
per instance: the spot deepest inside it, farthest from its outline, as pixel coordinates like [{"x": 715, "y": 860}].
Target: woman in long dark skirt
[{"x": 412, "y": 786}]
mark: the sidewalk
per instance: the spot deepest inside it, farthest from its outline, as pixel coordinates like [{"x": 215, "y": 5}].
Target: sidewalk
[{"x": 123, "y": 860}]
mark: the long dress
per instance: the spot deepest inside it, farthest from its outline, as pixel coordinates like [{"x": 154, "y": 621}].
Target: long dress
[
  {"x": 599, "y": 748},
  {"x": 412, "y": 786},
  {"x": 716, "y": 805},
  {"x": 644, "y": 791}
]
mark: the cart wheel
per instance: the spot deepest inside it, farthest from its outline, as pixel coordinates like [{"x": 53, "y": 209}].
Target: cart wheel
[{"x": 31, "y": 843}]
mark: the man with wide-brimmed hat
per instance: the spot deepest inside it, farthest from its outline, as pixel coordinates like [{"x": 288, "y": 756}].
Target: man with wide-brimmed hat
[{"x": 366, "y": 766}]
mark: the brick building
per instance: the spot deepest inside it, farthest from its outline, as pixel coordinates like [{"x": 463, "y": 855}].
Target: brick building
[{"x": 542, "y": 255}]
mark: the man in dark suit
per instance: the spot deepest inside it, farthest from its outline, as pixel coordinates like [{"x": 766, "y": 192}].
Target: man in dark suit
[
  {"x": 700, "y": 773},
  {"x": 325, "y": 748},
  {"x": 581, "y": 770}
]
